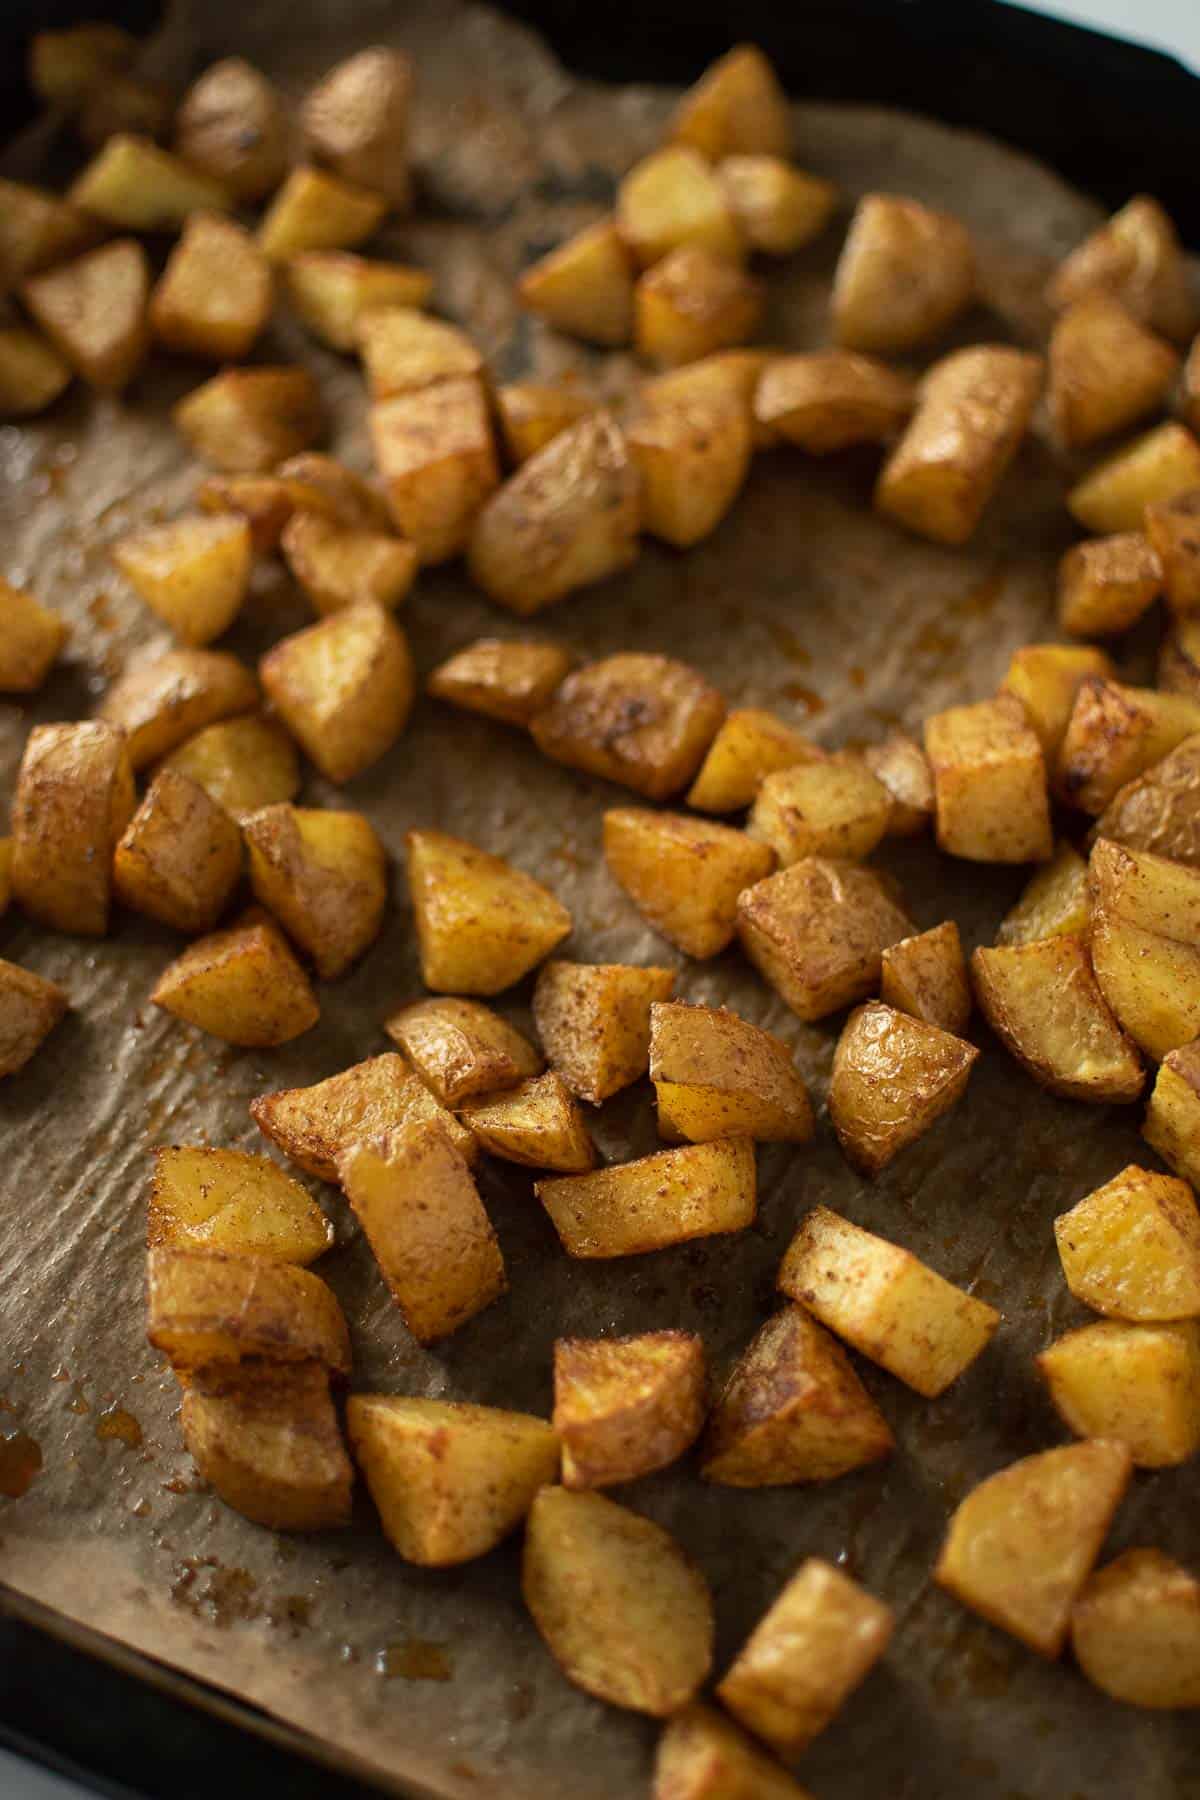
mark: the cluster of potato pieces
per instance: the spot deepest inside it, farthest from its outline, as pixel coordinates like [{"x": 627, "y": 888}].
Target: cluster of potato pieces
[{"x": 1096, "y": 968}]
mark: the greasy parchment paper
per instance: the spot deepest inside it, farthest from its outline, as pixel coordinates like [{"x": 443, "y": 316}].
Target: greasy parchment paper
[{"x": 803, "y": 602}]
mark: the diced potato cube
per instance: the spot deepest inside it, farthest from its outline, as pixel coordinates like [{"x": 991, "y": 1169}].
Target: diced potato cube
[
  {"x": 316, "y": 1126},
  {"x": 450, "y": 1480},
  {"x": 320, "y": 484},
  {"x": 817, "y": 932},
  {"x": 624, "y": 1613},
  {"x": 594, "y": 1022},
  {"x": 716, "y": 1075},
  {"x": 356, "y": 120},
  {"x": 323, "y": 875},
  {"x": 569, "y": 517},
  {"x": 193, "y": 573},
  {"x": 974, "y": 409},
  {"x": 162, "y": 702},
  {"x": 30, "y": 1008},
  {"x": 585, "y": 286},
  {"x": 243, "y": 764},
  {"x": 314, "y": 210},
  {"x": 74, "y": 798},
  {"x": 1045, "y": 678},
  {"x": 215, "y": 295},
  {"x": 1105, "y": 585},
  {"x": 828, "y": 808},
  {"x": 926, "y": 976},
  {"x": 531, "y": 413},
  {"x": 404, "y": 350},
  {"x": 31, "y": 637},
  {"x": 737, "y": 107},
  {"x": 343, "y": 687},
  {"x": 1053, "y": 903},
  {"x": 1137, "y": 1385},
  {"x": 643, "y": 721},
  {"x": 1116, "y": 733},
  {"x": 1131, "y": 1249},
  {"x": 32, "y": 373},
  {"x": 265, "y": 502},
  {"x": 692, "y": 303},
  {"x": 826, "y": 400},
  {"x": 180, "y": 858},
  {"x": 684, "y": 875},
  {"x": 206, "y": 1307},
  {"x": 1138, "y": 259},
  {"x": 792, "y": 1410},
  {"x": 413, "y": 1194},
  {"x": 1153, "y": 891},
  {"x": 887, "y": 1304},
  {"x": 231, "y": 125},
  {"x": 989, "y": 776},
  {"x": 93, "y": 311},
  {"x": 693, "y": 455},
  {"x": 1172, "y": 1123},
  {"x": 1105, "y": 371},
  {"x": 230, "y": 1200},
  {"x": 510, "y": 680},
  {"x": 125, "y": 104},
  {"x": 893, "y": 1077},
  {"x": 1044, "y": 1004},
  {"x": 242, "y": 985},
  {"x": 437, "y": 459},
  {"x": 777, "y": 206},
  {"x": 903, "y": 768},
  {"x": 132, "y": 184},
  {"x": 1115, "y": 494},
  {"x": 1146, "y": 944},
  {"x": 248, "y": 420},
  {"x": 1179, "y": 658},
  {"x": 904, "y": 273},
  {"x": 461, "y": 1049},
  {"x": 728, "y": 375},
  {"x": 1135, "y": 1631},
  {"x": 703, "y": 1756},
  {"x": 749, "y": 746},
  {"x": 338, "y": 566},
  {"x": 626, "y": 1406},
  {"x": 701, "y": 1190},
  {"x": 66, "y": 66},
  {"x": 332, "y": 292},
  {"x": 269, "y": 1442},
  {"x": 1160, "y": 811},
  {"x": 1173, "y": 528},
  {"x": 481, "y": 924},
  {"x": 38, "y": 228},
  {"x": 671, "y": 199},
  {"x": 538, "y": 1124}
]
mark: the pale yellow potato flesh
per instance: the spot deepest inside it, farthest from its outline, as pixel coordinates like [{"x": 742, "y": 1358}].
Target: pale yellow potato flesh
[
  {"x": 531, "y": 413},
  {"x": 1113, "y": 496},
  {"x": 462, "y": 1049},
  {"x": 1145, "y": 940},
  {"x": 243, "y": 764},
  {"x": 703, "y": 1756},
  {"x": 692, "y": 453},
  {"x": 340, "y": 566},
  {"x": 537, "y": 1124},
  {"x": 926, "y": 975},
  {"x": 1045, "y": 678},
  {"x": 270, "y": 1443},
  {"x": 1114, "y": 734},
  {"x": 778, "y": 207},
  {"x": 216, "y": 294},
  {"x": 905, "y": 272},
  {"x": 585, "y": 286},
  {"x": 692, "y": 304},
  {"x": 1135, "y": 257},
  {"x": 74, "y": 797},
  {"x": 1137, "y": 1385},
  {"x": 343, "y": 687},
  {"x": 1044, "y": 1004},
  {"x": 893, "y": 1078},
  {"x": 1105, "y": 371},
  {"x": 1172, "y": 527},
  {"x": 1135, "y": 1631},
  {"x": 989, "y": 777},
  {"x": 1053, "y": 903},
  {"x": 832, "y": 808},
  {"x": 94, "y": 311},
  {"x": 685, "y": 876},
  {"x": 481, "y": 924},
  {"x": 817, "y": 932},
  {"x": 242, "y": 985},
  {"x": 323, "y": 874},
  {"x": 903, "y": 767},
  {"x": 1131, "y": 1249},
  {"x": 626, "y": 1406},
  {"x": 180, "y": 857},
  {"x": 133, "y": 184},
  {"x": 162, "y": 702},
  {"x": 33, "y": 636},
  {"x": 30, "y": 1008},
  {"x": 749, "y": 745},
  {"x": 247, "y": 421},
  {"x": 1106, "y": 584},
  {"x": 333, "y": 291},
  {"x": 314, "y": 210},
  {"x": 436, "y": 456},
  {"x": 316, "y": 1126},
  {"x": 209, "y": 1307},
  {"x": 511, "y": 680},
  {"x": 671, "y": 199},
  {"x": 593, "y": 1020},
  {"x": 672, "y": 1197},
  {"x": 403, "y": 350},
  {"x": 736, "y": 108},
  {"x": 203, "y": 1198},
  {"x": 1172, "y": 1122},
  {"x": 716, "y": 1075},
  {"x": 827, "y": 400},
  {"x": 193, "y": 573}
]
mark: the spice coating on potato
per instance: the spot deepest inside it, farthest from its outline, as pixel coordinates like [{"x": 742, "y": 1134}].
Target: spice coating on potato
[
  {"x": 1145, "y": 940},
  {"x": 338, "y": 567},
  {"x": 643, "y": 721},
  {"x": 1172, "y": 1122},
  {"x": 1131, "y": 1249},
  {"x": 1045, "y": 678},
  {"x": 817, "y": 933},
  {"x": 207, "y": 1307},
  {"x": 904, "y": 273},
  {"x": 243, "y": 764},
  {"x": 684, "y": 875},
  {"x": 702, "y": 1190},
  {"x": 202, "y": 1198},
  {"x": 692, "y": 452},
  {"x": 1160, "y": 810},
  {"x": 30, "y": 1008},
  {"x": 344, "y": 688},
  {"x": 693, "y": 303},
  {"x": 671, "y": 199},
  {"x": 1173, "y": 528},
  {"x": 38, "y": 228},
  {"x": 1135, "y": 1631},
  {"x": 314, "y": 210},
  {"x": 404, "y": 350},
  {"x": 903, "y": 768},
  {"x": 989, "y": 777},
  {"x": 93, "y": 311},
  {"x": 626, "y": 1406},
  {"x": 1106, "y": 584},
  {"x": 736, "y": 107},
  {"x": 437, "y": 459},
  {"x": 1105, "y": 371},
  {"x": 215, "y": 295},
  {"x": 1136, "y": 257},
  {"x": 231, "y": 126},
  {"x": 246, "y": 421},
  {"x": 74, "y": 798},
  {"x": 827, "y": 400},
  {"x": 193, "y": 572},
  {"x": 162, "y": 702},
  {"x": 269, "y": 1442},
  {"x": 594, "y": 1022},
  {"x": 1137, "y": 1385},
  {"x": 481, "y": 924},
  {"x": 180, "y": 857},
  {"x": 703, "y": 1756},
  {"x": 1114, "y": 734},
  {"x": 461, "y": 1049},
  {"x": 315, "y": 1126},
  {"x": 323, "y": 874},
  {"x": 1053, "y": 903},
  {"x": 778, "y": 208},
  {"x": 926, "y": 976},
  {"x": 356, "y": 119},
  {"x": 832, "y": 808},
  {"x": 1044, "y": 1004},
  {"x": 585, "y": 286},
  {"x": 333, "y": 291},
  {"x": 749, "y": 746},
  {"x": 893, "y": 1077},
  {"x": 511, "y": 680},
  {"x": 243, "y": 986},
  {"x": 538, "y": 1124},
  {"x": 531, "y": 413},
  {"x": 716, "y": 1075},
  {"x": 1114, "y": 495},
  {"x": 31, "y": 637},
  {"x": 132, "y": 184}
]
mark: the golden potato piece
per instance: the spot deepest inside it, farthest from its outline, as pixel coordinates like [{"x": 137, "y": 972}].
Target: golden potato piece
[
  {"x": 778, "y": 208},
  {"x": 1137, "y": 1385},
  {"x": 1044, "y": 1004},
  {"x": 193, "y": 573},
  {"x": 243, "y": 764},
  {"x": 38, "y": 228},
  {"x": 333, "y": 291},
  {"x": 671, "y": 199},
  {"x": 726, "y": 376},
  {"x": 404, "y": 350},
  {"x": 215, "y": 295},
  {"x": 1046, "y": 678},
  {"x": 510, "y": 680},
  {"x": 903, "y": 768},
  {"x": 792, "y": 1410},
  {"x": 93, "y": 311},
  {"x": 30, "y": 1008},
  {"x": 66, "y": 66},
  {"x": 265, "y": 502},
  {"x": 343, "y": 687},
  {"x": 1106, "y": 584},
  {"x": 926, "y": 976},
  {"x": 1113, "y": 496},
  {"x": 624, "y": 1613},
  {"x": 904, "y": 273},
  {"x": 538, "y": 1124},
  {"x": 815, "y": 1644},
  {"x": 1160, "y": 810},
  {"x": 716, "y": 1075},
  {"x": 643, "y": 721},
  {"x": 893, "y": 1077},
  {"x": 1179, "y": 658},
  {"x": 323, "y": 874},
  {"x": 1114, "y": 734},
  {"x": 1135, "y": 1631},
  {"x": 32, "y": 373},
  {"x": 701, "y": 1190},
  {"x": 231, "y": 126},
  {"x": 180, "y": 858},
  {"x": 1105, "y": 371},
  {"x": 450, "y": 1480},
  {"x": 691, "y": 304},
  {"x": 828, "y": 808},
  {"x": 531, "y": 413},
  {"x": 481, "y": 924},
  {"x": 316, "y": 1126},
  {"x": 339, "y": 567},
  {"x": 242, "y": 985},
  {"x": 208, "y": 1306},
  {"x": 413, "y": 1194},
  {"x": 693, "y": 456},
  {"x": 1053, "y": 903},
  {"x": 437, "y": 459},
  {"x": 1021, "y": 1545},
  {"x": 247, "y": 420},
  {"x": 164, "y": 701},
  {"x": 1172, "y": 1122},
  {"x": 585, "y": 286},
  {"x": 684, "y": 875},
  {"x": 462, "y": 1049},
  {"x": 749, "y": 745},
  {"x": 132, "y": 184},
  {"x": 204, "y": 1199},
  {"x": 314, "y": 210},
  {"x": 974, "y": 409},
  {"x": 885, "y": 1302},
  {"x": 1131, "y": 1249},
  {"x": 356, "y": 120},
  {"x": 703, "y": 1756},
  {"x": 626, "y": 1406},
  {"x": 1173, "y": 528},
  {"x": 1137, "y": 259},
  {"x": 826, "y": 400},
  {"x": 736, "y": 107},
  {"x": 989, "y": 777},
  {"x": 594, "y": 1022},
  {"x": 321, "y": 485},
  {"x": 569, "y": 517},
  {"x": 74, "y": 798},
  {"x": 31, "y": 637},
  {"x": 1156, "y": 892},
  {"x": 1146, "y": 944},
  {"x": 270, "y": 1444},
  {"x": 817, "y": 932}
]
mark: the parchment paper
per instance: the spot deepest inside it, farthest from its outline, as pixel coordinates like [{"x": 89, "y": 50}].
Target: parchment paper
[{"x": 803, "y": 602}]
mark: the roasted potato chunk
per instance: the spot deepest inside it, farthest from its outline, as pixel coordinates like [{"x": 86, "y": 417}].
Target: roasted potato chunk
[
  {"x": 1114, "y": 734},
  {"x": 718, "y": 1076},
  {"x": 777, "y": 207},
  {"x": 1135, "y": 1631},
  {"x": 693, "y": 455},
  {"x": 314, "y": 210},
  {"x": 989, "y": 778},
  {"x": 1046, "y": 678},
  {"x": 1179, "y": 658},
  {"x": 692, "y": 303},
  {"x": 531, "y": 413},
  {"x": 356, "y": 120},
  {"x": 247, "y": 420},
  {"x": 265, "y": 502},
  {"x": 1137, "y": 1385},
  {"x": 1173, "y": 528},
  {"x": 974, "y": 409},
  {"x": 481, "y": 924},
  {"x": 344, "y": 688},
  {"x": 461, "y": 1049},
  {"x": 736, "y": 107},
  {"x": 320, "y": 484},
  {"x": 193, "y": 573},
  {"x": 792, "y": 1410},
  {"x": 893, "y": 1078},
  {"x": 450, "y": 1480},
  {"x": 701, "y": 1190},
  {"x": 93, "y": 311},
  {"x": 703, "y": 1756},
  {"x": 338, "y": 566},
  {"x": 749, "y": 746},
  {"x": 1105, "y": 371},
  {"x": 672, "y": 199},
  {"x": 242, "y": 985},
  {"x": 1172, "y": 1123},
  {"x": 134, "y": 185},
  {"x": 404, "y": 350},
  {"x": 585, "y": 286},
  {"x": 243, "y": 764},
  {"x": 38, "y": 228},
  {"x": 1021, "y": 1545},
  {"x": 1053, "y": 903},
  {"x": 413, "y": 1194},
  {"x": 626, "y": 1406},
  {"x": 538, "y": 1124},
  {"x": 509, "y": 680},
  {"x": 30, "y": 1008},
  {"x": 31, "y": 637},
  {"x": 166, "y": 700},
  {"x": 207, "y": 1307},
  {"x": 180, "y": 858},
  {"x": 204, "y": 1199},
  {"x": 926, "y": 976},
  {"x": 215, "y": 295},
  {"x": 1160, "y": 810},
  {"x": 642, "y": 721},
  {"x": 74, "y": 798},
  {"x": 1044, "y": 1004},
  {"x": 1113, "y": 496},
  {"x": 594, "y": 1022},
  {"x": 66, "y": 66},
  {"x": 316, "y": 1126},
  {"x": 323, "y": 875},
  {"x": 437, "y": 460},
  {"x": 1137, "y": 259},
  {"x": 817, "y": 932},
  {"x": 1146, "y": 944},
  {"x": 232, "y": 127},
  {"x": 834, "y": 807},
  {"x": 1131, "y": 1249},
  {"x": 1105, "y": 585},
  {"x": 32, "y": 373},
  {"x": 904, "y": 273},
  {"x": 685, "y": 876},
  {"x": 625, "y": 1615},
  {"x": 885, "y": 1302},
  {"x": 269, "y": 1442},
  {"x": 333, "y": 291},
  {"x": 826, "y": 400},
  {"x": 903, "y": 768}
]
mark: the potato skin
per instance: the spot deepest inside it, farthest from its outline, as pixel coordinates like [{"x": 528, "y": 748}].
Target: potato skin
[
  {"x": 926, "y": 976},
  {"x": 269, "y": 1442},
  {"x": 686, "y": 876},
  {"x": 817, "y": 932},
  {"x": 736, "y": 108},
  {"x": 716, "y": 1075},
  {"x": 826, "y": 400},
  {"x": 668, "y": 1198},
  {"x": 585, "y": 286},
  {"x": 74, "y": 798},
  {"x": 161, "y": 703},
  {"x": 208, "y": 1307},
  {"x": 461, "y": 1049},
  {"x": 315, "y": 1126},
  {"x": 593, "y": 1020},
  {"x": 1135, "y": 1631},
  {"x": 356, "y": 119},
  {"x": 1160, "y": 810},
  {"x": 180, "y": 857},
  {"x": 643, "y": 721},
  {"x": 703, "y": 1756},
  {"x": 538, "y": 1124},
  {"x": 30, "y": 1008},
  {"x": 1044, "y": 1003},
  {"x": 344, "y": 687},
  {"x": 904, "y": 273},
  {"x": 626, "y": 1406},
  {"x": 231, "y": 126},
  {"x": 893, "y": 1077},
  {"x": 242, "y": 985},
  {"x": 507, "y": 680},
  {"x": 32, "y": 638},
  {"x": 204, "y": 1198}
]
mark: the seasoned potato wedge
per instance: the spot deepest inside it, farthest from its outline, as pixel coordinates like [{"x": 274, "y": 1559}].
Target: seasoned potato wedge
[
  {"x": 232, "y": 127},
  {"x": 703, "y": 1756},
  {"x": 1172, "y": 1123},
  {"x": 30, "y": 1008},
  {"x": 356, "y": 120},
  {"x": 323, "y": 874},
  {"x": 817, "y": 932},
  {"x": 1044, "y": 1004},
  {"x": 530, "y": 413},
  {"x": 242, "y": 985},
  {"x": 243, "y": 764},
  {"x": 834, "y": 807},
  {"x": 1021, "y": 1545},
  {"x": 265, "y": 502},
  {"x": 404, "y": 350},
  {"x": 593, "y": 1020},
  {"x": 1131, "y": 1249},
  {"x": 338, "y": 566},
  {"x": 1105, "y": 371},
  {"x": 1106, "y": 584},
  {"x": 684, "y": 875},
  {"x": 903, "y": 768},
  {"x": 989, "y": 778},
  {"x": 180, "y": 857},
  {"x": 1116, "y": 733},
  {"x": 538, "y": 1124},
  {"x": 215, "y": 295},
  {"x": 672, "y": 199},
  {"x": 462, "y": 1049},
  {"x": 1114, "y": 495},
  {"x": 210, "y": 1306},
  {"x": 1179, "y": 658},
  {"x": 66, "y": 66},
  {"x": 450, "y": 1480},
  {"x": 692, "y": 303},
  {"x": 625, "y": 1615},
  {"x": 727, "y": 375},
  {"x": 642, "y": 721},
  {"x": 74, "y": 798},
  {"x": 815, "y": 1644},
  {"x": 1160, "y": 810},
  {"x": 269, "y": 1442},
  {"x": 205, "y": 1199},
  {"x": 133, "y": 184},
  {"x": 926, "y": 976},
  {"x": 333, "y": 291},
  {"x": 693, "y": 455},
  {"x": 1053, "y": 903},
  {"x": 904, "y": 273},
  {"x": 585, "y": 286},
  {"x": 777, "y": 207},
  {"x": 414, "y": 1196},
  {"x": 736, "y": 108},
  {"x": 32, "y": 373},
  {"x": 1173, "y": 528},
  {"x": 749, "y": 746},
  {"x": 1156, "y": 892},
  {"x": 193, "y": 572},
  {"x": 1045, "y": 678},
  {"x": 792, "y": 1410},
  {"x": 316, "y": 1126},
  {"x": 343, "y": 687},
  {"x": 718, "y": 1076},
  {"x": 31, "y": 637},
  {"x": 314, "y": 210},
  {"x": 1137, "y": 1385},
  {"x": 569, "y": 517},
  {"x": 626, "y": 1406},
  {"x": 481, "y": 924},
  {"x": 1145, "y": 942},
  {"x": 164, "y": 701},
  {"x": 826, "y": 400},
  {"x": 1135, "y": 1631},
  {"x": 94, "y": 311},
  {"x": 893, "y": 1078},
  {"x": 701, "y": 1190},
  {"x": 320, "y": 484},
  {"x": 510, "y": 680},
  {"x": 1137, "y": 258},
  {"x": 245, "y": 421},
  {"x": 437, "y": 459}
]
